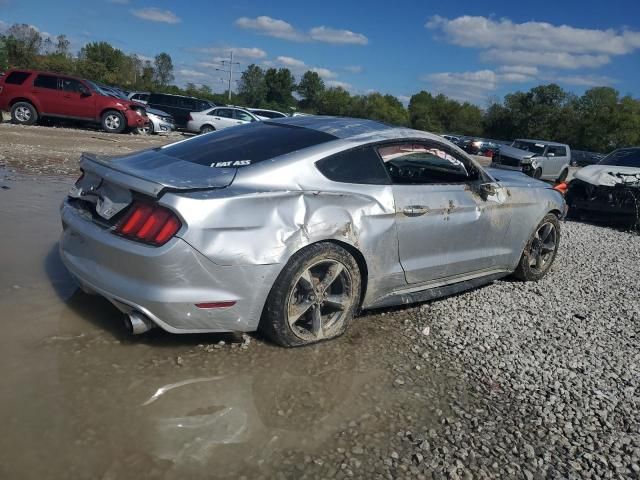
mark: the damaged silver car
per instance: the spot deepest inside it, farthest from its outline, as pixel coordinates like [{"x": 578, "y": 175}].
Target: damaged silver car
[
  {"x": 291, "y": 226},
  {"x": 608, "y": 190}
]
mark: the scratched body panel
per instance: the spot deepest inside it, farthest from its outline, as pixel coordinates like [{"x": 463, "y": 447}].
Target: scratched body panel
[{"x": 238, "y": 234}]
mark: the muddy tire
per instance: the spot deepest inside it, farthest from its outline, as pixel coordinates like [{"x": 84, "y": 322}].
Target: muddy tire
[
  {"x": 540, "y": 251},
  {"x": 563, "y": 176},
  {"x": 537, "y": 173},
  {"x": 207, "y": 129},
  {"x": 113, "y": 121},
  {"x": 314, "y": 298},
  {"x": 23, "y": 113}
]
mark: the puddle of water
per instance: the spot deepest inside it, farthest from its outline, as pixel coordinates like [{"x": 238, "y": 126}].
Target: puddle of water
[{"x": 81, "y": 399}]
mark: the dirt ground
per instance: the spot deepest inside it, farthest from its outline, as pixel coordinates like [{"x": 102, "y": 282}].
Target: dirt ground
[{"x": 56, "y": 150}]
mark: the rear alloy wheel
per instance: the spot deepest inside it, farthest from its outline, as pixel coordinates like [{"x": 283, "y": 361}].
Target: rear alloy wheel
[
  {"x": 540, "y": 251},
  {"x": 113, "y": 122},
  {"x": 23, "y": 113},
  {"x": 207, "y": 129},
  {"x": 537, "y": 173},
  {"x": 314, "y": 298}
]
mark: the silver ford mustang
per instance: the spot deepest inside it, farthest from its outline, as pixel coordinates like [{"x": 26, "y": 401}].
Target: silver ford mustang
[{"x": 291, "y": 226}]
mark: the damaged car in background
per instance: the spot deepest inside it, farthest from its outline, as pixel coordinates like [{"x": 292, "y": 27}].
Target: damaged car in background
[
  {"x": 292, "y": 226},
  {"x": 609, "y": 190},
  {"x": 537, "y": 158}
]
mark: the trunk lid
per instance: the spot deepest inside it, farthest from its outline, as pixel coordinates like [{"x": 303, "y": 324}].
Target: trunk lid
[{"x": 109, "y": 183}]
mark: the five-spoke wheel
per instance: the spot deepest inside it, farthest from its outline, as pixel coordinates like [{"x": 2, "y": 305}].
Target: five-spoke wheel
[{"x": 540, "y": 251}]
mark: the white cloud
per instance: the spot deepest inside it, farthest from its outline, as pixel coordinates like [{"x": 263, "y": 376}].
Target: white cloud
[
  {"x": 535, "y": 43},
  {"x": 3, "y": 26},
  {"x": 274, "y": 27},
  {"x": 562, "y": 60},
  {"x": 338, "y": 83},
  {"x": 584, "y": 80},
  {"x": 238, "y": 52},
  {"x": 405, "y": 99},
  {"x": 354, "y": 69},
  {"x": 188, "y": 73},
  {"x": 299, "y": 67},
  {"x": 153, "y": 14},
  {"x": 332, "y": 35}
]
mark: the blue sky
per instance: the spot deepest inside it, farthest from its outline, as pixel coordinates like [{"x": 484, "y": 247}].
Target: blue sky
[{"x": 469, "y": 50}]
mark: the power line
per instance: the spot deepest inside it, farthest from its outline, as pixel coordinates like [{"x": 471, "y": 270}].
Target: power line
[{"x": 229, "y": 64}]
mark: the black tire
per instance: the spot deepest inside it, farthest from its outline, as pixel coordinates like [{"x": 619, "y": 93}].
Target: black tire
[
  {"x": 23, "y": 113},
  {"x": 113, "y": 121},
  {"x": 207, "y": 129},
  {"x": 525, "y": 271},
  {"x": 537, "y": 173},
  {"x": 146, "y": 131},
  {"x": 563, "y": 176},
  {"x": 287, "y": 288}
]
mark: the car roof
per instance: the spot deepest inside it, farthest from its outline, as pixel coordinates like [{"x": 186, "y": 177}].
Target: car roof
[
  {"x": 546, "y": 142},
  {"x": 340, "y": 127}
]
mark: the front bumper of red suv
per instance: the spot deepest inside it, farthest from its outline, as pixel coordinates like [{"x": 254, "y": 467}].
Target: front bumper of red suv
[{"x": 135, "y": 120}]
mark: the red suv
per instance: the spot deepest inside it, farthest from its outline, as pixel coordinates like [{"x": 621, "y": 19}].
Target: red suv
[{"x": 31, "y": 95}]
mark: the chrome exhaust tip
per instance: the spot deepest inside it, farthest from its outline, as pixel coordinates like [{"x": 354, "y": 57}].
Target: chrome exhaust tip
[{"x": 136, "y": 323}]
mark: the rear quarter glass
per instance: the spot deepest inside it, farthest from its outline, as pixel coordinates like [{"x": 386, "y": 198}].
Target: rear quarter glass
[{"x": 16, "y": 78}]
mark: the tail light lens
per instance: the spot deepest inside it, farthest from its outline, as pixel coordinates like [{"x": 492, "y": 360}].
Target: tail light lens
[
  {"x": 149, "y": 223},
  {"x": 190, "y": 118}
]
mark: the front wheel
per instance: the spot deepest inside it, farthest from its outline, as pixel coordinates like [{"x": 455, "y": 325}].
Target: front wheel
[
  {"x": 540, "y": 251},
  {"x": 314, "y": 298},
  {"x": 563, "y": 176},
  {"x": 537, "y": 173},
  {"x": 113, "y": 122}
]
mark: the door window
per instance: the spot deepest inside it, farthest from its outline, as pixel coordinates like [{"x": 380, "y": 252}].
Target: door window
[
  {"x": 71, "y": 85},
  {"x": 419, "y": 163},
  {"x": 223, "y": 112},
  {"x": 557, "y": 151},
  {"x": 244, "y": 116},
  {"x": 46, "y": 81}
]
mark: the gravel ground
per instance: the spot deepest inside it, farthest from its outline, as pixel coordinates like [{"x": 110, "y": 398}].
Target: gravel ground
[{"x": 548, "y": 377}]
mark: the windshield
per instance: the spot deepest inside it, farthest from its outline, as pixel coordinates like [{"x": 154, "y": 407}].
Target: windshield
[
  {"x": 107, "y": 91},
  {"x": 628, "y": 157},
  {"x": 537, "y": 148}
]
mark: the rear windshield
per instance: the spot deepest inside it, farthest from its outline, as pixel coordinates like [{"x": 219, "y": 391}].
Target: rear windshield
[
  {"x": 246, "y": 145},
  {"x": 629, "y": 157},
  {"x": 17, "y": 78}
]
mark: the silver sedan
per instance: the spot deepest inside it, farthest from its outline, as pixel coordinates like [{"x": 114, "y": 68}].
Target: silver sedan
[{"x": 292, "y": 226}]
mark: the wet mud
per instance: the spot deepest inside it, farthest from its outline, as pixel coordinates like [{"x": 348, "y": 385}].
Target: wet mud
[{"x": 80, "y": 398}]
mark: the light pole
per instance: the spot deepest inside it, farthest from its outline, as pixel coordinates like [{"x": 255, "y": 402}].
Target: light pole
[{"x": 231, "y": 64}]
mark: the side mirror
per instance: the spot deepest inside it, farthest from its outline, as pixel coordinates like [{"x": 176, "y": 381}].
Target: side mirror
[
  {"x": 551, "y": 154},
  {"x": 488, "y": 189}
]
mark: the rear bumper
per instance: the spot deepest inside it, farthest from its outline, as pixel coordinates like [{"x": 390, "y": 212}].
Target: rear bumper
[{"x": 164, "y": 283}]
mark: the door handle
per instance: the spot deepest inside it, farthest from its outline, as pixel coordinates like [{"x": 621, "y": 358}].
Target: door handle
[
  {"x": 67, "y": 96},
  {"x": 415, "y": 210}
]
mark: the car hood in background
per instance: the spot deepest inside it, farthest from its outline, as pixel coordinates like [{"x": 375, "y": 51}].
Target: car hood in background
[
  {"x": 515, "y": 152},
  {"x": 514, "y": 178},
  {"x": 151, "y": 172},
  {"x": 608, "y": 175},
  {"x": 159, "y": 113}
]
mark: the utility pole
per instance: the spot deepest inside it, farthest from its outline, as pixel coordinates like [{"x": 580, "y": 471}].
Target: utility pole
[{"x": 231, "y": 64}]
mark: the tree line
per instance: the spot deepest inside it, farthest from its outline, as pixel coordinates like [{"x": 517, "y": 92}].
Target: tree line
[{"x": 599, "y": 120}]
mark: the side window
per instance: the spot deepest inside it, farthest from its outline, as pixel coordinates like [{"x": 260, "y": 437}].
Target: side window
[
  {"x": 187, "y": 104},
  {"x": 244, "y": 116},
  {"x": 224, "y": 113},
  {"x": 70, "y": 85},
  {"x": 359, "y": 165},
  {"x": 558, "y": 151},
  {"x": 46, "y": 81},
  {"x": 16, "y": 78},
  {"x": 421, "y": 163},
  {"x": 203, "y": 106}
]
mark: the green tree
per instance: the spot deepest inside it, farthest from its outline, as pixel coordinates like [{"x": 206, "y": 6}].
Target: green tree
[
  {"x": 385, "y": 108},
  {"x": 23, "y": 43},
  {"x": 335, "y": 101},
  {"x": 280, "y": 85},
  {"x": 311, "y": 87},
  {"x": 163, "y": 69},
  {"x": 103, "y": 60},
  {"x": 4, "y": 59},
  {"x": 252, "y": 87},
  {"x": 62, "y": 45}
]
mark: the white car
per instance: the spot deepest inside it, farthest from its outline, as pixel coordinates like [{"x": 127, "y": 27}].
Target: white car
[
  {"x": 159, "y": 122},
  {"x": 218, "y": 118},
  {"x": 265, "y": 114}
]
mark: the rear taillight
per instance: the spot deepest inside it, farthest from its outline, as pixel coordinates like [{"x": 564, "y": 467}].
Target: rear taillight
[
  {"x": 149, "y": 223},
  {"x": 190, "y": 118}
]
